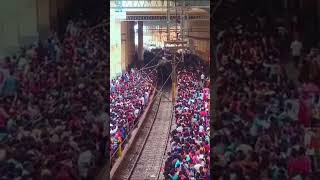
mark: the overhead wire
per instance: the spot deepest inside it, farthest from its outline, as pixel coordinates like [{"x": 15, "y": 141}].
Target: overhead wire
[
  {"x": 161, "y": 89},
  {"x": 138, "y": 85},
  {"x": 170, "y": 73},
  {"x": 150, "y": 67},
  {"x": 154, "y": 58}
]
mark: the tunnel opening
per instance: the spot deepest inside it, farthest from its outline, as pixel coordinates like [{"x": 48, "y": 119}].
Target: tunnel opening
[{"x": 164, "y": 75}]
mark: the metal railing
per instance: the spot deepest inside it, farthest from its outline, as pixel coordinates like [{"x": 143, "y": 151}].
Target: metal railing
[{"x": 118, "y": 151}]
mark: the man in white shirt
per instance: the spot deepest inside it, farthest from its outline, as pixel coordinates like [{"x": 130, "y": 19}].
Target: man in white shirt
[
  {"x": 146, "y": 97},
  {"x": 202, "y": 76},
  {"x": 84, "y": 163},
  {"x": 136, "y": 113},
  {"x": 197, "y": 167},
  {"x": 22, "y": 62},
  {"x": 114, "y": 129},
  {"x": 142, "y": 100},
  {"x": 71, "y": 28},
  {"x": 296, "y": 48}
]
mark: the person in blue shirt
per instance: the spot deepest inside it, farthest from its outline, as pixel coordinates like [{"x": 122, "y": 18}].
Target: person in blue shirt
[
  {"x": 175, "y": 177},
  {"x": 10, "y": 85},
  {"x": 51, "y": 49}
]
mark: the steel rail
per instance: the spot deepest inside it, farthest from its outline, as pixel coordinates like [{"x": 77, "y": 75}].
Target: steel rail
[
  {"x": 167, "y": 141},
  {"x": 149, "y": 131}
]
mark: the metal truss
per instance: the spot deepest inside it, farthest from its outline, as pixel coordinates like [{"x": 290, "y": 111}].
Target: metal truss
[
  {"x": 163, "y": 17},
  {"x": 128, "y": 4}
]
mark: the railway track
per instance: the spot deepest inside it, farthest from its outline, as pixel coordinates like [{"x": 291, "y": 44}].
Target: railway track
[
  {"x": 167, "y": 149},
  {"x": 144, "y": 159}
]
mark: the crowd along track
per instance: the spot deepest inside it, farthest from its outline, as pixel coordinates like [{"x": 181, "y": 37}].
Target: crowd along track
[{"x": 145, "y": 157}]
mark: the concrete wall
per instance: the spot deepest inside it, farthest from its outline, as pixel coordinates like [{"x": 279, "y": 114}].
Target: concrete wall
[
  {"x": 27, "y": 21},
  {"x": 18, "y": 24},
  {"x": 115, "y": 45},
  {"x": 23, "y": 22},
  {"x": 199, "y": 38},
  {"x": 49, "y": 12}
]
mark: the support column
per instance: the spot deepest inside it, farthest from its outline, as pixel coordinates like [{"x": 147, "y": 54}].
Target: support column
[
  {"x": 24, "y": 22},
  {"x": 127, "y": 44},
  {"x": 54, "y": 14},
  {"x": 9, "y": 27},
  {"x": 27, "y": 22},
  {"x": 43, "y": 14},
  {"x": 140, "y": 41},
  {"x": 199, "y": 41},
  {"x": 130, "y": 42},
  {"x": 124, "y": 54}
]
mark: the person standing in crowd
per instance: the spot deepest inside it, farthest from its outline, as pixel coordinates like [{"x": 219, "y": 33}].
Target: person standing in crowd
[
  {"x": 3, "y": 75},
  {"x": 84, "y": 162},
  {"x": 51, "y": 47},
  {"x": 71, "y": 28},
  {"x": 296, "y": 50},
  {"x": 203, "y": 78},
  {"x": 10, "y": 85}
]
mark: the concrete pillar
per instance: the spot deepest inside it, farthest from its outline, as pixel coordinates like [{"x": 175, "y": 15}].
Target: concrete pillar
[
  {"x": 24, "y": 22},
  {"x": 44, "y": 28},
  {"x": 9, "y": 33},
  {"x": 54, "y": 14},
  {"x": 130, "y": 42},
  {"x": 140, "y": 41},
  {"x": 127, "y": 44},
  {"x": 18, "y": 25},
  {"x": 124, "y": 55},
  {"x": 199, "y": 38},
  {"x": 27, "y": 22}
]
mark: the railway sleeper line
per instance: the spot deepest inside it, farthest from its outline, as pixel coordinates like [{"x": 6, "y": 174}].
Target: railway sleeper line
[{"x": 145, "y": 156}]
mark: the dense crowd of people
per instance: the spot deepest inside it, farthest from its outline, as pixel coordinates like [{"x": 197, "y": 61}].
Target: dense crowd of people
[
  {"x": 129, "y": 96},
  {"x": 262, "y": 131},
  {"x": 189, "y": 155},
  {"x": 48, "y": 130}
]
